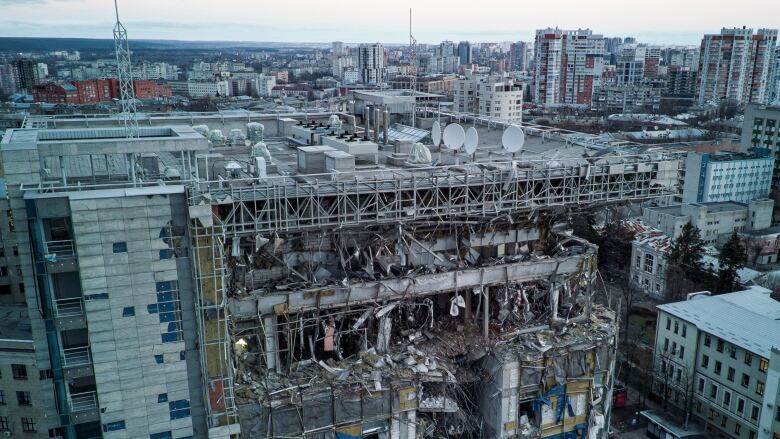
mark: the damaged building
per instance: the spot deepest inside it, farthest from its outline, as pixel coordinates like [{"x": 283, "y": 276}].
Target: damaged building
[{"x": 331, "y": 287}]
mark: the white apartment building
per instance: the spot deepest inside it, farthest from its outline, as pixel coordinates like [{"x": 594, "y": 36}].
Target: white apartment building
[
  {"x": 635, "y": 62},
  {"x": 569, "y": 65},
  {"x": 736, "y": 64},
  {"x": 371, "y": 64},
  {"x": 350, "y": 76},
  {"x": 156, "y": 71},
  {"x": 489, "y": 96},
  {"x": 501, "y": 99},
  {"x": 200, "y": 89},
  {"x": 722, "y": 350},
  {"x": 727, "y": 177}
]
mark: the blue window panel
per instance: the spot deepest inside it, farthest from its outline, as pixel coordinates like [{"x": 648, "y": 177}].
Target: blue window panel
[
  {"x": 164, "y": 286},
  {"x": 166, "y": 296},
  {"x": 179, "y": 404},
  {"x": 178, "y": 414},
  {"x": 163, "y": 435},
  {"x": 128, "y": 311},
  {"x": 96, "y": 296},
  {"x": 166, "y": 317},
  {"x": 173, "y": 327},
  {"x": 163, "y": 233},
  {"x": 114, "y": 426},
  {"x": 158, "y": 359},
  {"x": 181, "y": 355},
  {"x": 170, "y": 337},
  {"x": 152, "y": 308},
  {"x": 166, "y": 253},
  {"x": 120, "y": 247},
  {"x": 166, "y": 306},
  {"x": 163, "y": 397}
]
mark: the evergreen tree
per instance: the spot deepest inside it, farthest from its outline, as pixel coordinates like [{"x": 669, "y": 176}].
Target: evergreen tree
[
  {"x": 731, "y": 259},
  {"x": 686, "y": 251}
]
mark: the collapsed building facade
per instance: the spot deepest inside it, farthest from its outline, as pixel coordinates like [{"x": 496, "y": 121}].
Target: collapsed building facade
[{"x": 301, "y": 295}]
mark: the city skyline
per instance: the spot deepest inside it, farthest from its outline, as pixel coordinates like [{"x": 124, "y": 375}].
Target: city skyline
[{"x": 388, "y": 23}]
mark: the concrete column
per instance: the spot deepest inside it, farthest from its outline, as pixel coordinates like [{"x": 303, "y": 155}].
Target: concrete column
[
  {"x": 271, "y": 346},
  {"x": 486, "y": 315},
  {"x": 467, "y": 313},
  {"x": 377, "y": 115}
]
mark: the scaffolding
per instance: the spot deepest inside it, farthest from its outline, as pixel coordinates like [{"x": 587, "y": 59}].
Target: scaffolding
[
  {"x": 248, "y": 207},
  {"x": 212, "y": 321}
]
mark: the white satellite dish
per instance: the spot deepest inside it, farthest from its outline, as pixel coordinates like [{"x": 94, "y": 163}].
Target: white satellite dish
[
  {"x": 436, "y": 133},
  {"x": 472, "y": 140},
  {"x": 454, "y": 136},
  {"x": 513, "y": 139}
]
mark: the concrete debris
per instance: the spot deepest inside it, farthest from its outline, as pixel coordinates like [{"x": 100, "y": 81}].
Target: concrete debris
[{"x": 461, "y": 352}]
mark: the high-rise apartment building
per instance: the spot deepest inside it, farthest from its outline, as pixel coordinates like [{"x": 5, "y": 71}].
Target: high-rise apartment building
[
  {"x": 735, "y": 65},
  {"x": 774, "y": 81},
  {"x": 518, "y": 56},
  {"x": 630, "y": 64},
  {"x": 371, "y": 64},
  {"x": 337, "y": 48},
  {"x": 464, "y": 53},
  {"x": 9, "y": 78},
  {"x": 26, "y": 73},
  {"x": 446, "y": 58},
  {"x": 569, "y": 65}
]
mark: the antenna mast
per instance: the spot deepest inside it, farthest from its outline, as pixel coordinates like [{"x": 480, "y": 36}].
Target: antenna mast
[
  {"x": 413, "y": 59},
  {"x": 125, "y": 76}
]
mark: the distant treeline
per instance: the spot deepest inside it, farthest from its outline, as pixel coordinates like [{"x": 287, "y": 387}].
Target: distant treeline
[{"x": 17, "y": 44}]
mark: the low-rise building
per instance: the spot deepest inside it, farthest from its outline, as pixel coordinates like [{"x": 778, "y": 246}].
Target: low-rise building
[
  {"x": 56, "y": 93},
  {"x": 649, "y": 261},
  {"x": 200, "y": 89},
  {"x": 649, "y": 250},
  {"x": 738, "y": 177},
  {"x": 718, "y": 355},
  {"x": 489, "y": 96},
  {"x": 638, "y": 98},
  {"x": 761, "y": 246},
  {"x": 299, "y": 90},
  {"x": 715, "y": 220}
]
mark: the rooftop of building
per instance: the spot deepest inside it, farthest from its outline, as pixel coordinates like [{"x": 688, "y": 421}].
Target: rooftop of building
[
  {"x": 726, "y": 156},
  {"x": 762, "y": 232},
  {"x": 722, "y": 206},
  {"x": 711, "y": 207},
  {"x": 749, "y": 319},
  {"x": 30, "y": 138}
]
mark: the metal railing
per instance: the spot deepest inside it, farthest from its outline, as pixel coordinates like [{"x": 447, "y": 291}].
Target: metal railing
[
  {"x": 58, "y": 250},
  {"x": 75, "y": 357},
  {"x": 83, "y": 402},
  {"x": 72, "y": 307}
]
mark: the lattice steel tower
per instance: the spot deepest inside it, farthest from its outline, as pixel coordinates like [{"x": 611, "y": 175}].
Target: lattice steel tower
[
  {"x": 125, "y": 76},
  {"x": 413, "y": 60}
]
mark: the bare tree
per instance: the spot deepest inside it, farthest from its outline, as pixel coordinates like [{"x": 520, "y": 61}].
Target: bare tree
[{"x": 674, "y": 377}]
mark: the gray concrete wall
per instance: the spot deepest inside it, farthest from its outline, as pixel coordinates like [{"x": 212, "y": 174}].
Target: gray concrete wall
[{"x": 118, "y": 241}]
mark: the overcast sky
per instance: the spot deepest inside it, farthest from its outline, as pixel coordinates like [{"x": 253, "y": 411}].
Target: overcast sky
[{"x": 658, "y": 21}]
